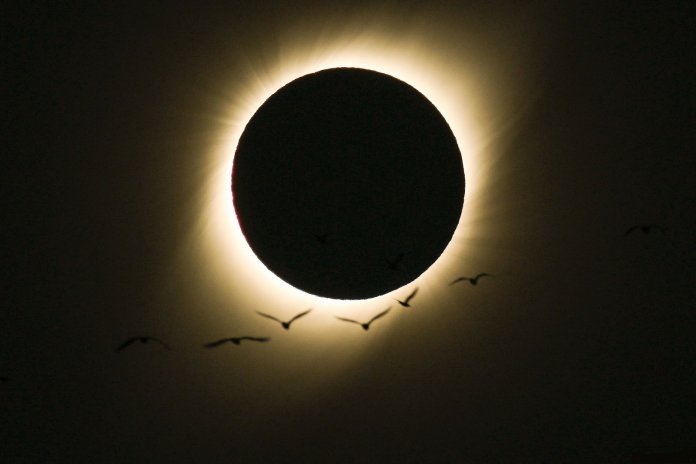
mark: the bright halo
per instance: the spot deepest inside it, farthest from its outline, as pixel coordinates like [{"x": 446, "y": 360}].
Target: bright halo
[{"x": 450, "y": 84}]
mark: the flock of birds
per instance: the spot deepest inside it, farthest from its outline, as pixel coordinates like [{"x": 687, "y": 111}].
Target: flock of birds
[
  {"x": 392, "y": 264},
  {"x": 405, "y": 303},
  {"x": 284, "y": 324}
]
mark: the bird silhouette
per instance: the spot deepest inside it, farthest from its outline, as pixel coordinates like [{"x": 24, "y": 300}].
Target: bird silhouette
[
  {"x": 645, "y": 228},
  {"x": 472, "y": 280},
  {"x": 405, "y": 303},
  {"x": 322, "y": 238},
  {"x": 365, "y": 325},
  {"x": 235, "y": 340},
  {"x": 141, "y": 339},
  {"x": 286, "y": 325},
  {"x": 393, "y": 264}
]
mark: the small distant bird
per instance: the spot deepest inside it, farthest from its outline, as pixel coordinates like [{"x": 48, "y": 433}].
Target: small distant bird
[
  {"x": 645, "y": 228},
  {"x": 394, "y": 263},
  {"x": 405, "y": 303},
  {"x": 141, "y": 339},
  {"x": 365, "y": 325},
  {"x": 322, "y": 238},
  {"x": 286, "y": 325},
  {"x": 235, "y": 340},
  {"x": 472, "y": 280}
]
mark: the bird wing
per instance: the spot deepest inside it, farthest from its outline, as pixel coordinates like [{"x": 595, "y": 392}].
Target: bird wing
[
  {"x": 631, "y": 229},
  {"x": 126, "y": 343},
  {"x": 458, "y": 279},
  {"x": 374, "y": 318},
  {"x": 303, "y": 313},
  {"x": 348, "y": 320},
  {"x": 483, "y": 274},
  {"x": 217, "y": 343},
  {"x": 256, "y": 339},
  {"x": 268, "y": 316},
  {"x": 413, "y": 293}
]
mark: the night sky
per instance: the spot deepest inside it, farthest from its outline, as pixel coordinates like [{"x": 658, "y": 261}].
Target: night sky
[{"x": 116, "y": 222}]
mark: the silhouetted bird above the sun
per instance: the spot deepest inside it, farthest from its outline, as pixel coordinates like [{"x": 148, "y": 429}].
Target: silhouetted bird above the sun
[
  {"x": 286, "y": 325},
  {"x": 235, "y": 340},
  {"x": 645, "y": 228},
  {"x": 405, "y": 303},
  {"x": 394, "y": 263},
  {"x": 365, "y": 325},
  {"x": 472, "y": 280},
  {"x": 141, "y": 339}
]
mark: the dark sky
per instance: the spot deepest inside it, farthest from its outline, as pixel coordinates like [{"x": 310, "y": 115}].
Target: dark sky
[{"x": 580, "y": 349}]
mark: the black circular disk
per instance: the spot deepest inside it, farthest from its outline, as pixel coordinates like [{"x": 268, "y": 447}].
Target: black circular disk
[{"x": 347, "y": 183}]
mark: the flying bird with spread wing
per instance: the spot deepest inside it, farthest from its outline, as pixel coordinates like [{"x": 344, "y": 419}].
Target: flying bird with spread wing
[
  {"x": 235, "y": 340},
  {"x": 472, "y": 280},
  {"x": 405, "y": 302},
  {"x": 141, "y": 339},
  {"x": 645, "y": 228},
  {"x": 365, "y": 325},
  {"x": 284, "y": 324}
]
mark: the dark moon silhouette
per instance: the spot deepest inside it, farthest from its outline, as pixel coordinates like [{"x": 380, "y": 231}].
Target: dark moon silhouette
[{"x": 347, "y": 183}]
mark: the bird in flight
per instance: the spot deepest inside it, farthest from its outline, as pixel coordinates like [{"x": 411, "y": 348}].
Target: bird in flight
[
  {"x": 235, "y": 340},
  {"x": 365, "y": 325},
  {"x": 472, "y": 280},
  {"x": 285, "y": 324},
  {"x": 322, "y": 238},
  {"x": 394, "y": 263},
  {"x": 645, "y": 228},
  {"x": 141, "y": 339},
  {"x": 405, "y": 303}
]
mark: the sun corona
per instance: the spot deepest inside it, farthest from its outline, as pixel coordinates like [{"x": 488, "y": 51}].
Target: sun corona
[{"x": 419, "y": 59}]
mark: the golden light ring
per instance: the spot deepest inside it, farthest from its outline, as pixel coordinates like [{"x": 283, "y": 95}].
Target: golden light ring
[{"x": 418, "y": 59}]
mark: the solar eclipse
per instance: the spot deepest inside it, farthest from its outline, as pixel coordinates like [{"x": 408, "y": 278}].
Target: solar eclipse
[
  {"x": 457, "y": 92},
  {"x": 347, "y": 183},
  {"x": 572, "y": 123}
]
